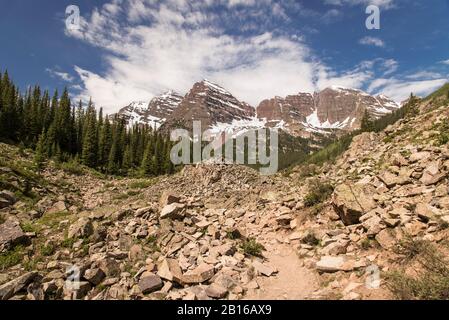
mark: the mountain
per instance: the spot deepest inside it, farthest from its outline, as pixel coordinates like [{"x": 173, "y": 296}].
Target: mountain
[
  {"x": 212, "y": 105},
  {"x": 154, "y": 113},
  {"x": 334, "y": 108}
]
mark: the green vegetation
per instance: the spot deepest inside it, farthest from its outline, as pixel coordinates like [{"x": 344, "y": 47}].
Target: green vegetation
[
  {"x": 442, "y": 92},
  {"x": 252, "y": 248},
  {"x": 57, "y": 129},
  {"x": 366, "y": 243},
  {"x": 318, "y": 193},
  {"x": 142, "y": 184},
  {"x": 432, "y": 281},
  {"x": 330, "y": 152},
  {"x": 11, "y": 258},
  {"x": 48, "y": 250},
  {"x": 311, "y": 239},
  {"x": 443, "y": 135},
  {"x": 53, "y": 219}
]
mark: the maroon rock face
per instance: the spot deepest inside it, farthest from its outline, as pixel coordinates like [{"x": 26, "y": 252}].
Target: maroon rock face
[
  {"x": 290, "y": 109},
  {"x": 210, "y": 104},
  {"x": 333, "y": 108}
]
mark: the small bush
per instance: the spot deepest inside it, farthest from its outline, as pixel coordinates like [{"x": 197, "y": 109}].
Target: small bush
[
  {"x": 11, "y": 258},
  {"x": 366, "y": 244},
  {"x": 318, "y": 193},
  {"x": 252, "y": 248},
  {"x": 143, "y": 184},
  {"x": 68, "y": 243},
  {"x": 48, "y": 250},
  {"x": 432, "y": 281},
  {"x": 72, "y": 167},
  {"x": 311, "y": 239},
  {"x": 28, "y": 227}
]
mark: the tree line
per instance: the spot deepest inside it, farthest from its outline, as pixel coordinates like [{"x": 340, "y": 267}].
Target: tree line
[{"x": 57, "y": 129}]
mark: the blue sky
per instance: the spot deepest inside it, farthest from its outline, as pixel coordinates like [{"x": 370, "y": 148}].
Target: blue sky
[{"x": 128, "y": 50}]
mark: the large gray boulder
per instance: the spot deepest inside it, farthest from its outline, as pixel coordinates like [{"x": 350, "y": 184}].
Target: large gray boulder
[{"x": 351, "y": 202}]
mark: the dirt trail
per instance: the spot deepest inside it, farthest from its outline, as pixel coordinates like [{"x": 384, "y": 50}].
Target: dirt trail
[{"x": 293, "y": 281}]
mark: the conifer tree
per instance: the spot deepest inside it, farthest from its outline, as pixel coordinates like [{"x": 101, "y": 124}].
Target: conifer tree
[{"x": 90, "y": 148}]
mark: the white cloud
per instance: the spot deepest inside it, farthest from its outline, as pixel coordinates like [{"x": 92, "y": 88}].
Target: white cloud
[
  {"x": 384, "y": 4},
  {"x": 445, "y": 61},
  {"x": 424, "y": 75},
  {"x": 152, "y": 47},
  {"x": 390, "y": 66},
  {"x": 372, "y": 41},
  {"x": 181, "y": 46},
  {"x": 399, "y": 90},
  {"x": 61, "y": 75}
]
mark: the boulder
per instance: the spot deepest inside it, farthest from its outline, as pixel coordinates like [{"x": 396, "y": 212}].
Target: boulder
[
  {"x": 263, "y": 269},
  {"x": 330, "y": 264},
  {"x": 424, "y": 212},
  {"x": 110, "y": 267},
  {"x": 11, "y": 234},
  {"x": 172, "y": 211},
  {"x": 340, "y": 263},
  {"x": 9, "y": 289},
  {"x": 201, "y": 274},
  {"x": 7, "y": 198},
  {"x": 351, "y": 202},
  {"x": 167, "y": 198},
  {"x": 432, "y": 174},
  {"x": 59, "y": 206},
  {"x": 149, "y": 283},
  {"x": 94, "y": 276},
  {"x": 136, "y": 253},
  {"x": 83, "y": 228},
  {"x": 216, "y": 291},
  {"x": 390, "y": 179},
  {"x": 386, "y": 239}
]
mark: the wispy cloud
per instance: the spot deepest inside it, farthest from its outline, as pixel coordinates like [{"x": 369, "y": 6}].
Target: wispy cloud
[
  {"x": 60, "y": 75},
  {"x": 174, "y": 44},
  {"x": 372, "y": 41},
  {"x": 399, "y": 89},
  {"x": 384, "y": 4},
  {"x": 152, "y": 46}
]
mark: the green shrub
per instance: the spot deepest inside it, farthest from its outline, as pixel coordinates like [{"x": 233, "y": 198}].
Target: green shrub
[
  {"x": 311, "y": 239},
  {"x": 48, "y": 250},
  {"x": 432, "y": 281},
  {"x": 318, "y": 193},
  {"x": 142, "y": 184},
  {"x": 72, "y": 167},
  {"x": 11, "y": 258},
  {"x": 68, "y": 243},
  {"x": 252, "y": 248}
]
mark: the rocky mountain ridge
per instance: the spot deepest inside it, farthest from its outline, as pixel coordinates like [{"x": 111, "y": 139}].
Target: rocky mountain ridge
[{"x": 333, "y": 109}]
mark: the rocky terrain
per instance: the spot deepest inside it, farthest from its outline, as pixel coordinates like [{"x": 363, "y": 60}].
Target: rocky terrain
[{"x": 339, "y": 231}]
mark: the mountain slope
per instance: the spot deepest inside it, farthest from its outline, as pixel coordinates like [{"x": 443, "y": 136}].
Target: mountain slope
[
  {"x": 333, "y": 109},
  {"x": 211, "y": 105},
  {"x": 154, "y": 113}
]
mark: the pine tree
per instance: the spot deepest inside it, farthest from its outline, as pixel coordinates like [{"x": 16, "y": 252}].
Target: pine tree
[
  {"x": 90, "y": 147},
  {"x": 41, "y": 152},
  {"x": 148, "y": 166},
  {"x": 367, "y": 124}
]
